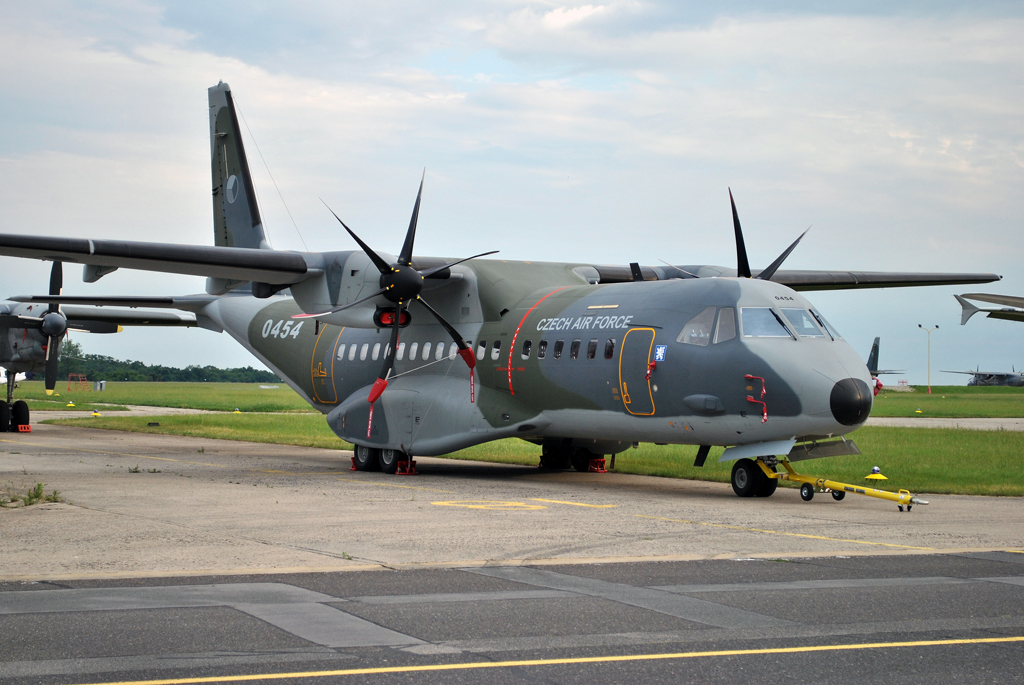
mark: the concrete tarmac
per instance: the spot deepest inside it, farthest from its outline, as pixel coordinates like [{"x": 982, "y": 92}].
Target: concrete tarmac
[{"x": 193, "y": 558}]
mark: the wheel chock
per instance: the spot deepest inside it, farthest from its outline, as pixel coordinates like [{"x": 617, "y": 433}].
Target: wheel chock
[
  {"x": 353, "y": 465},
  {"x": 25, "y": 428},
  {"x": 406, "y": 468},
  {"x": 597, "y": 466}
]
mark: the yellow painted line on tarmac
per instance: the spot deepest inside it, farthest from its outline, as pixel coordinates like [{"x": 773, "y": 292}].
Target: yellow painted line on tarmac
[
  {"x": 490, "y": 505},
  {"x": 779, "y": 532},
  {"x": 115, "y": 454},
  {"x": 478, "y": 665},
  {"x": 575, "y": 504}
]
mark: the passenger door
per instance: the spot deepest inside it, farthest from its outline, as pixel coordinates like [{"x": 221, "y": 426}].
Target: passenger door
[{"x": 634, "y": 357}]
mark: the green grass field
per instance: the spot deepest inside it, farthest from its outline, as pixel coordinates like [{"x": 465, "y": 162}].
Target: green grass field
[
  {"x": 915, "y": 459},
  {"x": 248, "y": 397},
  {"x": 952, "y": 401}
]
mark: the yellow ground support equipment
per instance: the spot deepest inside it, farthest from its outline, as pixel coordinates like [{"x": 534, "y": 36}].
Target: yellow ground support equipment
[{"x": 838, "y": 490}]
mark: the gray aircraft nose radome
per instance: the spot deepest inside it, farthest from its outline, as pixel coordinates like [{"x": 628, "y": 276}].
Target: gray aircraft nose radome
[{"x": 851, "y": 401}]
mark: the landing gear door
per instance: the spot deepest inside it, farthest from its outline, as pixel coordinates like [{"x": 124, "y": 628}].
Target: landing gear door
[{"x": 634, "y": 384}]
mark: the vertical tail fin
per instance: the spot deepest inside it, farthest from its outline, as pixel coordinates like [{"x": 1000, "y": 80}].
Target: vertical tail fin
[
  {"x": 236, "y": 216},
  {"x": 873, "y": 359},
  {"x": 969, "y": 309}
]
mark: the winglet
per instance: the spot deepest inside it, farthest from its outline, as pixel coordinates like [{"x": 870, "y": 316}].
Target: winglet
[{"x": 969, "y": 310}]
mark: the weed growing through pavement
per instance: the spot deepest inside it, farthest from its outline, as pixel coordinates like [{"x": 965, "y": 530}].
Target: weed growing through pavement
[{"x": 133, "y": 469}]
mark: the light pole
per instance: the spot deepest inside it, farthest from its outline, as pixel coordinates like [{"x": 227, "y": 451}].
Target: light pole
[{"x": 929, "y": 332}]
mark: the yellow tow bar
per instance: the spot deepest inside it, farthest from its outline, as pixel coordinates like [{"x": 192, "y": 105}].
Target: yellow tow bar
[{"x": 838, "y": 490}]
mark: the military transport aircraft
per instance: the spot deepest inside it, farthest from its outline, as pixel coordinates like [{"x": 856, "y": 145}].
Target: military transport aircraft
[
  {"x": 31, "y": 335},
  {"x": 873, "y": 366},
  {"x": 1011, "y": 379},
  {"x": 582, "y": 359}
]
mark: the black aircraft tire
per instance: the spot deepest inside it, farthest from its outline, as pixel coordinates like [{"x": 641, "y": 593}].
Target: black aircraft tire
[
  {"x": 19, "y": 414},
  {"x": 556, "y": 458},
  {"x": 746, "y": 478},
  {"x": 389, "y": 460},
  {"x": 807, "y": 492},
  {"x": 838, "y": 495},
  {"x": 5, "y": 416},
  {"x": 580, "y": 459},
  {"x": 768, "y": 485},
  {"x": 366, "y": 458}
]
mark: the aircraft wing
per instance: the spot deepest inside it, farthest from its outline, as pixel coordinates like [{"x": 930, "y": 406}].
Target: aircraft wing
[
  {"x": 845, "y": 280},
  {"x": 888, "y": 371},
  {"x": 1006, "y": 300},
  {"x": 188, "y": 302},
  {"x": 78, "y": 317},
  {"x": 998, "y": 374},
  {"x": 229, "y": 263}
]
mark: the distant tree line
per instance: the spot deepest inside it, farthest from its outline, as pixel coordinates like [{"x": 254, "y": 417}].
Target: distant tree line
[{"x": 97, "y": 367}]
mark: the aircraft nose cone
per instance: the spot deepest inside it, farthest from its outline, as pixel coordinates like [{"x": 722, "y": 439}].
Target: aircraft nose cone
[{"x": 851, "y": 401}]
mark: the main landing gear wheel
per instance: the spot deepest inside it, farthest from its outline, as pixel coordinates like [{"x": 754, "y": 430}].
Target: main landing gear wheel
[
  {"x": 838, "y": 495},
  {"x": 389, "y": 460},
  {"x": 807, "y": 492},
  {"x": 746, "y": 478},
  {"x": 19, "y": 414},
  {"x": 580, "y": 459},
  {"x": 366, "y": 458},
  {"x": 767, "y": 486},
  {"x": 555, "y": 457},
  {"x": 5, "y": 417}
]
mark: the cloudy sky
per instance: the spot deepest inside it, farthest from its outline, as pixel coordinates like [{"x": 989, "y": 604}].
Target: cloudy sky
[{"x": 583, "y": 132}]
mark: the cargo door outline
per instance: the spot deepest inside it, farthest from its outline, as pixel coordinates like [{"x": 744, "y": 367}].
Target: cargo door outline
[
  {"x": 634, "y": 387},
  {"x": 321, "y": 374}
]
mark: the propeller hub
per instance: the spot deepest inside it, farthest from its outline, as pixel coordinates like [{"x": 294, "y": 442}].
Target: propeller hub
[
  {"x": 54, "y": 324},
  {"x": 403, "y": 283}
]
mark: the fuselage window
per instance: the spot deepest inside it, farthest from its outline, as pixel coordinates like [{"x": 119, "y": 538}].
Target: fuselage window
[
  {"x": 440, "y": 351},
  {"x": 375, "y": 355},
  {"x": 387, "y": 350},
  {"x": 363, "y": 350},
  {"x": 726, "y": 325},
  {"x": 609, "y": 349},
  {"x": 412, "y": 351},
  {"x": 802, "y": 322},
  {"x": 697, "y": 330},
  {"x": 426, "y": 351},
  {"x": 592, "y": 348},
  {"x": 341, "y": 351},
  {"x": 481, "y": 349},
  {"x": 559, "y": 344},
  {"x": 495, "y": 350},
  {"x": 542, "y": 349},
  {"x": 401, "y": 350},
  {"x": 352, "y": 349},
  {"x": 826, "y": 325},
  {"x": 454, "y": 349},
  {"x": 527, "y": 348},
  {"x": 762, "y": 322},
  {"x": 574, "y": 349}
]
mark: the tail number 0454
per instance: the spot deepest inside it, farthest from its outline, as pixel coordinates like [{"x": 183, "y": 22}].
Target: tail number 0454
[{"x": 281, "y": 329}]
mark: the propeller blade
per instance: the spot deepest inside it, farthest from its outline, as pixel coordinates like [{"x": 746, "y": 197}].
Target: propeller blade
[
  {"x": 14, "y": 321},
  {"x": 51, "y": 364},
  {"x": 742, "y": 265},
  {"x": 338, "y": 309},
  {"x": 430, "y": 272},
  {"x": 389, "y": 363},
  {"x": 464, "y": 351},
  {"x": 767, "y": 274},
  {"x": 56, "y": 283},
  {"x": 381, "y": 265},
  {"x": 405, "y": 258}
]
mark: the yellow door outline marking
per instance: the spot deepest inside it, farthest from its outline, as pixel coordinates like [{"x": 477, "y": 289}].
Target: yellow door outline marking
[
  {"x": 316, "y": 369},
  {"x": 477, "y": 665},
  {"x": 779, "y": 532},
  {"x": 622, "y": 384},
  {"x": 490, "y": 505},
  {"x": 574, "y": 504}
]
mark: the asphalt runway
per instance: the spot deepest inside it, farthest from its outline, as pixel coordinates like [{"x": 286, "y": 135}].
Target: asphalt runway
[{"x": 193, "y": 558}]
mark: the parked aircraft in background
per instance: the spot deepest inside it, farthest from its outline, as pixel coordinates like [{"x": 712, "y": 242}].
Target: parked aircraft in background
[
  {"x": 873, "y": 367},
  {"x": 582, "y": 359},
  {"x": 1012, "y": 379},
  {"x": 31, "y": 334},
  {"x": 1012, "y": 309}
]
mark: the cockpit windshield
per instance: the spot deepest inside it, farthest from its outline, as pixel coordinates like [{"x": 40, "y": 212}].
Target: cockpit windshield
[
  {"x": 762, "y": 322},
  {"x": 802, "y": 322},
  {"x": 826, "y": 325}
]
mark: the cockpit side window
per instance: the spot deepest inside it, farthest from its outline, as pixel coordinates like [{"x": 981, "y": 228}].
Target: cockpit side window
[
  {"x": 826, "y": 325},
  {"x": 697, "y": 330},
  {"x": 802, "y": 322},
  {"x": 762, "y": 322},
  {"x": 726, "y": 325}
]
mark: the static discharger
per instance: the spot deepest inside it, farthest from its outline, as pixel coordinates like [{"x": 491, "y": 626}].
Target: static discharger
[{"x": 838, "y": 490}]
